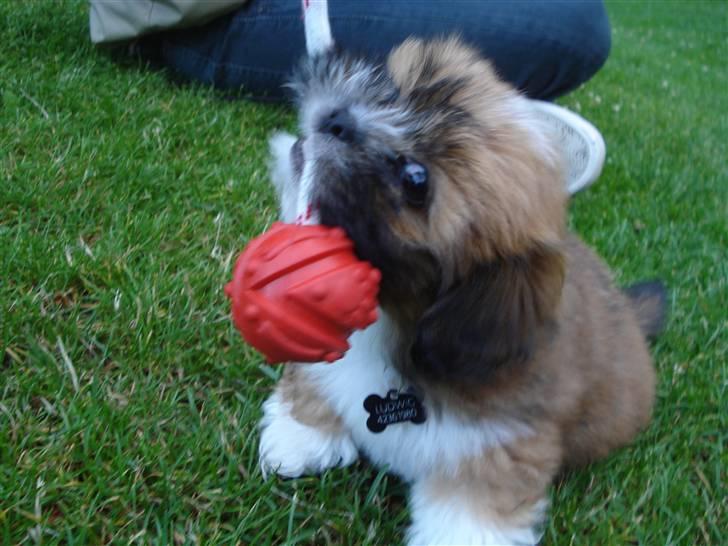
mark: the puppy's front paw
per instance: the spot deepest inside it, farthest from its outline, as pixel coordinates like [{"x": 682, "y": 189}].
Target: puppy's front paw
[
  {"x": 445, "y": 520},
  {"x": 458, "y": 532},
  {"x": 291, "y": 449}
]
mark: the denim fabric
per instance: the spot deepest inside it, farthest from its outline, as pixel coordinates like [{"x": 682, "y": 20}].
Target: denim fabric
[{"x": 544, "y": 48}]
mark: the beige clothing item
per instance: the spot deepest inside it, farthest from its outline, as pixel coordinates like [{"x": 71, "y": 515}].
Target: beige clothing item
[{"x": 118, "y": 20}]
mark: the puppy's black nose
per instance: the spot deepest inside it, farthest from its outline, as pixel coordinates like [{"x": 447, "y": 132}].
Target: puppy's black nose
[{"x": 341, "y": 124}]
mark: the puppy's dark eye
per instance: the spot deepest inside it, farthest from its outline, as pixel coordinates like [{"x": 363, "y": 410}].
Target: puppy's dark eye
[{"x": 414, "y": 179}]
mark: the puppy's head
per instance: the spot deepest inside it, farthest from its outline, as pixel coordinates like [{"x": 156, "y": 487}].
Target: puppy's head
[{"x": 447, "y": 183}]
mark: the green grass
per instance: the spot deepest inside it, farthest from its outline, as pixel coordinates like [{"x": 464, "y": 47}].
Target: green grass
[{"x": 128, "y": 404}]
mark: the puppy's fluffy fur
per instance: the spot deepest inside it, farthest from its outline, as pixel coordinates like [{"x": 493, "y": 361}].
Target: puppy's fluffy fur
[{"x": 526, "y": 356}]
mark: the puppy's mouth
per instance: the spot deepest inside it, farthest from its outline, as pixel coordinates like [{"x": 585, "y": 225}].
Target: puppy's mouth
[
  {"x": 313, "y": 148},
  {"x": 320, "y": 153},
  {"x": 331, "y": 200},
  {"x": 308, "y": 156}
]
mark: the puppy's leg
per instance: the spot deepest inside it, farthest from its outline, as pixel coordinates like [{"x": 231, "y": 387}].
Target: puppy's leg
[
  {"x": 301, "y": 434},
  {"x": 498, "y": 498}
]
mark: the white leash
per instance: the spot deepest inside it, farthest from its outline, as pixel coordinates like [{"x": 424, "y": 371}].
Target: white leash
[
  {"x": 318, "y": 41},
  {"x": 316, "y": 23}
]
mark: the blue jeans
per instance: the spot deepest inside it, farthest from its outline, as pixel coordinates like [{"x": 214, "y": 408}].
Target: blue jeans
[{"x": 544, "y": 48}]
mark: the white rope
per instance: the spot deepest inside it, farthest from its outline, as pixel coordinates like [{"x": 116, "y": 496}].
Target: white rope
[
  {"x": 318, "y": 40},
  {"x": 305, "y": 211},
  {"x": 316, "y": 23}
]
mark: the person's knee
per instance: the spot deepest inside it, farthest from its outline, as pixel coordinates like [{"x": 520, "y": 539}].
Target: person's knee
[
  {"x": 580, "y": 49},
  {"x": 595, "y": 34},
  {"x": 545, "y": 49}
]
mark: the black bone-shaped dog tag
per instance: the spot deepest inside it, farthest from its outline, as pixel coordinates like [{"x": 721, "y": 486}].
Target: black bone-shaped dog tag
[{"x": 397, "y": 407}]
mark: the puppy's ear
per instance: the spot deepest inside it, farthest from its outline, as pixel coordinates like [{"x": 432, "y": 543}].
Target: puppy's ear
[{"x": 496, "y": 316}]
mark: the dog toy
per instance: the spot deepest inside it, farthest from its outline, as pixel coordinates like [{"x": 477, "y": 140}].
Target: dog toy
[{"x": 298, "y": 292}]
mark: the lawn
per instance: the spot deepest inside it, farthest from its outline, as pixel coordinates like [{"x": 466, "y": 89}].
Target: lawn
[{"x": 128, "y": 403}]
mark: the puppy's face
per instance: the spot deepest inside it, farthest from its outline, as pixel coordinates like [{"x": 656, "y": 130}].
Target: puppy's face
[{"x": 448, "y": 184}]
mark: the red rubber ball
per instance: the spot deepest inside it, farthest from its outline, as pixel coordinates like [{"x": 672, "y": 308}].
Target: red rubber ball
[{"x": 299, "y": 291}]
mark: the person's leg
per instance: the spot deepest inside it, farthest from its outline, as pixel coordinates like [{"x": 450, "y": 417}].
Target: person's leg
[{"x": 543, "y": 48}]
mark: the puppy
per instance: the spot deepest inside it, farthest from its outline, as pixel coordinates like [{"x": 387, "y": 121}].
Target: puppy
[{"x": 503, "y": 352}]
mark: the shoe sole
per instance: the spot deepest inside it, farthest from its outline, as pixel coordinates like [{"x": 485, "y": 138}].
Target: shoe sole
[{"x": 583, "y": 144}]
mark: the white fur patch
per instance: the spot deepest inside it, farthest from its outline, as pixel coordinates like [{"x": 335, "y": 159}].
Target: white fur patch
[
  {"x": 384, "y": 122},
  {"x": 292, "y": 449},
  {"x": 409, "y": 450},
  {"x": 452, "y": 523}
]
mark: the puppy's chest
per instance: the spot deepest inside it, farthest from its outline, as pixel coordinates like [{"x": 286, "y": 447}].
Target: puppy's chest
[{"x": 392, "y": 423}]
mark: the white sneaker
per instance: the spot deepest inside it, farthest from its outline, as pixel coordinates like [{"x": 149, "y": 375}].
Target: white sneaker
[{"x": 583, "y": 144}]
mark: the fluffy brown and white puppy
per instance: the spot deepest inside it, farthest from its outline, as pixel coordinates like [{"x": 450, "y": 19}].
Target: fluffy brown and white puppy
[{"x": 523, "y": 354}]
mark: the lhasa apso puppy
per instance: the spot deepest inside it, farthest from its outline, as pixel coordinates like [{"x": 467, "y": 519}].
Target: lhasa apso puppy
[{"x": 503, "y": 352}]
